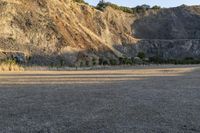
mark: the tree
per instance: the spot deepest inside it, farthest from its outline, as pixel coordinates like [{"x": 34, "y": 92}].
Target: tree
[
  {"x": 141, "y": 55},
  {"x": 156, "y": 7}
]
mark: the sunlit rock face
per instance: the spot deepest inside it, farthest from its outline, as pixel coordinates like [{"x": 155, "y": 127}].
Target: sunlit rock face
[{"x": 50, "y": 32}]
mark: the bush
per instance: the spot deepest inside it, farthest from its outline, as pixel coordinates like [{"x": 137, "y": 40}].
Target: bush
[
  {"x": 101, "y": 6},
  {"x": 156, "y": 7},
  {"x": 121, "y": 60},
  {"x": 141, "y": 55},
  {"x": 62, "y": 62},
  {"x": 94, "y": 62},
  {"x": 81, "y": 64},
  {"x": 128, "y": 61},
  {"x": 100, "y": 61},
  {"x": 113, "y": 62},
  {"x": 138, "y": 9},
  {"x": 125, "y": 61},
  {"x": 87, "y": 63},
  {"x": 105, "y": 62},
  {"x": 187, "y": 60},
  {"x": 80, "y": 1}
]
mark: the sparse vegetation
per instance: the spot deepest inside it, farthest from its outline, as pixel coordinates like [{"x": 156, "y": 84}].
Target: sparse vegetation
[
  {"x": 10, "y": 65},
  {"x": 102, "y": 6},
  {"x": 125, "y": 61},
  {"x": 62, "y": 62},
  {"x": 87, "y": 63},
  {"x": 100, "y": 61},
  {"x": 138, "y": 9},
  {"x": 187, "y": 60},
  {"x": 113, "y": 62},
  {"x": 141, "y": 55},
  {"x": 156, "y": 7},
  {"x": 80, "y": 1},
  {"x": 94, "y": 61},
  {"x": 105, "y": 62}
]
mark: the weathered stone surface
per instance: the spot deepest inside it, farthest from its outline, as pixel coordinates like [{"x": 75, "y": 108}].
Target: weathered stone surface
[
  {"x": 167, "y": 49},
  {"x": 174, "y": 23}
]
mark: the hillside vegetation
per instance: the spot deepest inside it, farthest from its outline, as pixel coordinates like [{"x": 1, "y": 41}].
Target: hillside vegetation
[{"x": 137, "y": 9}]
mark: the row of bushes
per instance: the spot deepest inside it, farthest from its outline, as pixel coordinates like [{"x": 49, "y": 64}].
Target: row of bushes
[
  {"x": 188, "y": 60},
  {"x": 152, "y": 60},
  {"x": 140, "y": 59},
  {"x": 11, "y": 65},
  {"x": 112, "y": 62},
  {"x": 137, "y": 9}
]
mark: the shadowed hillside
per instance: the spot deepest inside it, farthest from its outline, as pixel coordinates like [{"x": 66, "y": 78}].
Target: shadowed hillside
[{"x": 174, "y": 23}]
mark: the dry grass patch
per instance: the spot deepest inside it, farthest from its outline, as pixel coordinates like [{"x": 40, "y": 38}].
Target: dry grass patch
[{"x": 10, "y": 65}]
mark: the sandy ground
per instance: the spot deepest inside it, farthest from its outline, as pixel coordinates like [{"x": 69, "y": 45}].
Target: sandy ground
[{"x": 157, "y": 99}]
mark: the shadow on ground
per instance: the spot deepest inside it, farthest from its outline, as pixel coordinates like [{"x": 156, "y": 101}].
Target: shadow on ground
[{"x": 166, "y": 103}]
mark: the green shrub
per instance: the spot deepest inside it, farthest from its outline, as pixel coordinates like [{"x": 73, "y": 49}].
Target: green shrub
[
  {"x": 128, "y": 61},
  {"x": 81, "y": 63},
  {"x": 156, "y": 7},
  {"x": 105, "y": 62},
  {"x": 121, "y": 60},
  {"x": 125, "y": 61},
  {"x": 62, "y": 62},
  {"x": 113, "y": 62},
  {"x": 138, "y": 9},
  {"x": 187, "y": 60},
  {"x": 100, "y": 61},
  {"x": 141, "y": 55},
  {"x": 102, "y": 6},
  {"x": 87, "y": 63},
  {"x": 94, "y": 61}
]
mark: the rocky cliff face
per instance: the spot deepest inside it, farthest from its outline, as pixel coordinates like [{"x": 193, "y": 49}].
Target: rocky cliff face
[{"x": 61, "y": 31}]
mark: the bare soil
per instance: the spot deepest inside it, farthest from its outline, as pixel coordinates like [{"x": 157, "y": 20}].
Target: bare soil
[{"x": 140, "y": 99}]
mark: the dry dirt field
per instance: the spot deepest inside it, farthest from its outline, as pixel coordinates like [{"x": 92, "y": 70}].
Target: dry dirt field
[{"x": 154, "y": 99}]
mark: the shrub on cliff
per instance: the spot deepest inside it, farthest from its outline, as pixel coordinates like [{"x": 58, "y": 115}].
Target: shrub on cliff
[
  {"x": 138, "y": 9},
  {"x": 80, "y": 1},
  {"x": 156, "y": 7},
  {"x": 102, "y": 6}
]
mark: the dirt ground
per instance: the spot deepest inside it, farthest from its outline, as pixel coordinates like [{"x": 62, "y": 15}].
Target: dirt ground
[{"x": 151, "y": 99}]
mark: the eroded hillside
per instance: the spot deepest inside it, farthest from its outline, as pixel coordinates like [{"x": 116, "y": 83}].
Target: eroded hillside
[{"x": 68, "y": 33}]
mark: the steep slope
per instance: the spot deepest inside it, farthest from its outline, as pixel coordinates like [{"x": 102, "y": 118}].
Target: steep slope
[
  {"x": 175, "y": 23},
  {"x": 57, "y": 30},
  {"x": 172, "y": 33},
  {"x": 48, "y": 32}
]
